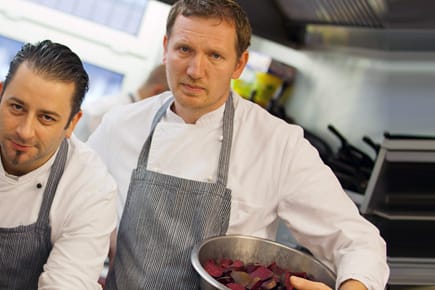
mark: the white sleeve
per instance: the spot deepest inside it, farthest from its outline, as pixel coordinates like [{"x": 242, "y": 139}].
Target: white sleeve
[{"x": 325, "y": 220}]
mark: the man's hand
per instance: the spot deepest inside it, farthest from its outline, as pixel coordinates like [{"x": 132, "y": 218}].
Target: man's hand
[{"x": 303, "y": 284}]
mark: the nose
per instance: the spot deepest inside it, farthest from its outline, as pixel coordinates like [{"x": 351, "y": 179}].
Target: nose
[
  {"x": 196, "y": 67},
  {"x": 26, "y": 128}
]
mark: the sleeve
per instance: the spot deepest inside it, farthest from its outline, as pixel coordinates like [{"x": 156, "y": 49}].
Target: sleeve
[
  {"x": 323, "y": 219},
  {"x": 81, "y": 234}
]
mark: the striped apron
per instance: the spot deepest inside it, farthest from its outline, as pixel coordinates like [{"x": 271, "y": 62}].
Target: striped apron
[
  {"x": 165, "y": 216},
  {"x": 24, "y": 249}
]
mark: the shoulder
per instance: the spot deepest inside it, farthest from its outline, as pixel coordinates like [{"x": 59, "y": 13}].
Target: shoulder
[{"x": 254, "y": 118}]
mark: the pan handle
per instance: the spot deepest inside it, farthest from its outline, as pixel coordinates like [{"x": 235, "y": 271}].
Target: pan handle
[
  {"x": 372, "y": 144},
  {"x": 343, "y": 140}
]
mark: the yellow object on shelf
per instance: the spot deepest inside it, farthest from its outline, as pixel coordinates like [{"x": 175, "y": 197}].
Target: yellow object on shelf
[
  {"x": 265, "y": 86},
  {"x": 242, "y": 87}
]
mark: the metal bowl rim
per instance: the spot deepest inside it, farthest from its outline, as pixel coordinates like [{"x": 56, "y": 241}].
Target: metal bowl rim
[{"x": 194, "y": 257}]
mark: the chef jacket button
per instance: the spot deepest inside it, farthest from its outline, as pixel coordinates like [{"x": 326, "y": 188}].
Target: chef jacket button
[
  {"x": 221, "y": 138},
  {"x": 210, "y": 178}
]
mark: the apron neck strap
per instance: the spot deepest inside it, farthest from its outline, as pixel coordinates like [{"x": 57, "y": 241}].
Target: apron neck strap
[
  {"x": 227, "y": 132},
  {"x": 53, "y": 180}
]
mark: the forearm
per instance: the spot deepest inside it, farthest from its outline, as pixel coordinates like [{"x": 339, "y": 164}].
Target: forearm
[{"x": 352, "y": 285}]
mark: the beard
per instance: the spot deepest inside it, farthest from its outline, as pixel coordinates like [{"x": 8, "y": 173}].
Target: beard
[{"x": 16, "y": 159}]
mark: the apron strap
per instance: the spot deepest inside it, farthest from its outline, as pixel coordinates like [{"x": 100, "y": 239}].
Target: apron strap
[
  {"x": 143, "y": 157},
  {"x": 227, "y": 132},
  {"x": 52, "y": 182}
]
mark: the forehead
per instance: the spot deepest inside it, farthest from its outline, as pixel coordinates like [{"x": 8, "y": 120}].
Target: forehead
[
  {"x": 206, "y": 30},
  {"x": 38, "y": 89}
]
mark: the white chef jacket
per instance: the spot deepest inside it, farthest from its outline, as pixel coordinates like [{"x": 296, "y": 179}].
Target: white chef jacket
[
  {"x": 82, "y": 216},
  {"x": 273, "y": 172}
]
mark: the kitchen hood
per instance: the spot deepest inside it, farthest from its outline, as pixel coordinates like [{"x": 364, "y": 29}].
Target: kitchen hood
[{"x": 397, "y": 25}]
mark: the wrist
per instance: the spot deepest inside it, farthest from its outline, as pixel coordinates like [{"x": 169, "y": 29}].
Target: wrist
[{"x": 352, "y": 285}]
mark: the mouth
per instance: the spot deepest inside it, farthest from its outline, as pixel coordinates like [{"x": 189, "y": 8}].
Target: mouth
[
  {"x": 191, "y": 88},
  {"x": 19, "y": 146}
]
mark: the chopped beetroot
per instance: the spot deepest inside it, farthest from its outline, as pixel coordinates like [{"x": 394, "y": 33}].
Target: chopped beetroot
[
  {"x": 251, "y": 267},
  {"x": 288, "y": 285},
  {"x": 276, "y": 269},
  {"x": 255, "y": 284},
  {"x": 241, "y": 278},
  {"x": 237, "y": 275},
  {"x": 225, "y": 263},
  {"x": 237, "y": 265},
  {"x": 269, "y": 284},
  {"x": 225, "y": 279},
  {"x": 213, "y": 269},
  {"x": 234, "y": 286},
  {"x": 262, "y": 272}
]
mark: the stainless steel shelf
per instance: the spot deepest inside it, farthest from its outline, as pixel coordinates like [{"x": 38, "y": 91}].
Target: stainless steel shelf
[{"x": 411, "y": 271}]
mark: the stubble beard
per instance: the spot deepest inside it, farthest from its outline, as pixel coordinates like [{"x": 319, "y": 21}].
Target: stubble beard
[{"x": 16, "y": 159}]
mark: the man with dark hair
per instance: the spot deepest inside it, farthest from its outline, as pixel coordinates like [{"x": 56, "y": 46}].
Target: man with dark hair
[
  {"x": 57, "y": 206},
  {"x": 201, "y": 161}
]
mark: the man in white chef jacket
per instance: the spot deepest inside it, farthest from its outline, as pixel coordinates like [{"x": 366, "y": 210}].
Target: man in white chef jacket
[
  {"x": 202, "y": 161},
  {"x": 58, "y": 201}
]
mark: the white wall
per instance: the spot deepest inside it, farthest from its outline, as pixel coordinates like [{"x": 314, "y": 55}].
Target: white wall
[{"x": 360, "y": 92}]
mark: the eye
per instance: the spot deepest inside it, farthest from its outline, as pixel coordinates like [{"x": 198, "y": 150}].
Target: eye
[
  {"x": 16, "y": 107},
  {"x": 184, "y": 49},
  {"x": 47, "y": 118},
  {"x": 216, "y": 56}
]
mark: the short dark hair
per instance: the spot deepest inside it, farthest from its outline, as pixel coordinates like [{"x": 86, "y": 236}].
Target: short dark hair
[
  {"x": 227, "y": 10},
  {"x": 54, "y": 61}
]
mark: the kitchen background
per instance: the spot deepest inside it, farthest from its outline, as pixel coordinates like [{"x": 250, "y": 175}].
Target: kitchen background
[{"x": 362, "y": 90}]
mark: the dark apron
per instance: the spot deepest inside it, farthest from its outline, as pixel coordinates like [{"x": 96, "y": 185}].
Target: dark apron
[
  {"x": 165, "y": 216},
  {"x": 25, "y": 249}
]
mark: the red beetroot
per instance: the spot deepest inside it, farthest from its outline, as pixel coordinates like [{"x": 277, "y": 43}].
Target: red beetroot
[
  {"x": 252, "y": 276},
  {"x": 241, "y": 278},
  {"x": 262, "y": 272},
  {"x": 213, "y": 269},
  {"x": 225, "y": 263},
  {"x": 288, "y": 285},
  {"x": 268, "y": 284},
  {"x": 234, "y": 286},
  {"x": 237, "y": 265}
]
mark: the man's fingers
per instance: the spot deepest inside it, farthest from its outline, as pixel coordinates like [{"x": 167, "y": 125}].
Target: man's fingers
[{"x": 304, "y": 284}]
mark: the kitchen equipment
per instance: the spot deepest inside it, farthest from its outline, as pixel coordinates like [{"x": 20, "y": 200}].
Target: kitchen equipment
[
  {"x": 400, "y": 201},
  {"x": 351, "y": 165},
  {"x": 253, "y": 249}
]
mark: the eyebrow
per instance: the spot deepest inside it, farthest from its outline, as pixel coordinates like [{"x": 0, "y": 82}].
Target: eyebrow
[{"x": 46, "y": 112}]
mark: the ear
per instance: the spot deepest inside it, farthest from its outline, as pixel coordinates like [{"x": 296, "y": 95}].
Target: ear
[
  {"x": 73, "y": 124},
  {"x": 165, "y": 48},
  {"x": 240, "y": 65}
]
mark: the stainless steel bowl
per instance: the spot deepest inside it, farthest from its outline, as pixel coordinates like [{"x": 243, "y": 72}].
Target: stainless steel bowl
[{"x": 252, "y": 249}]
